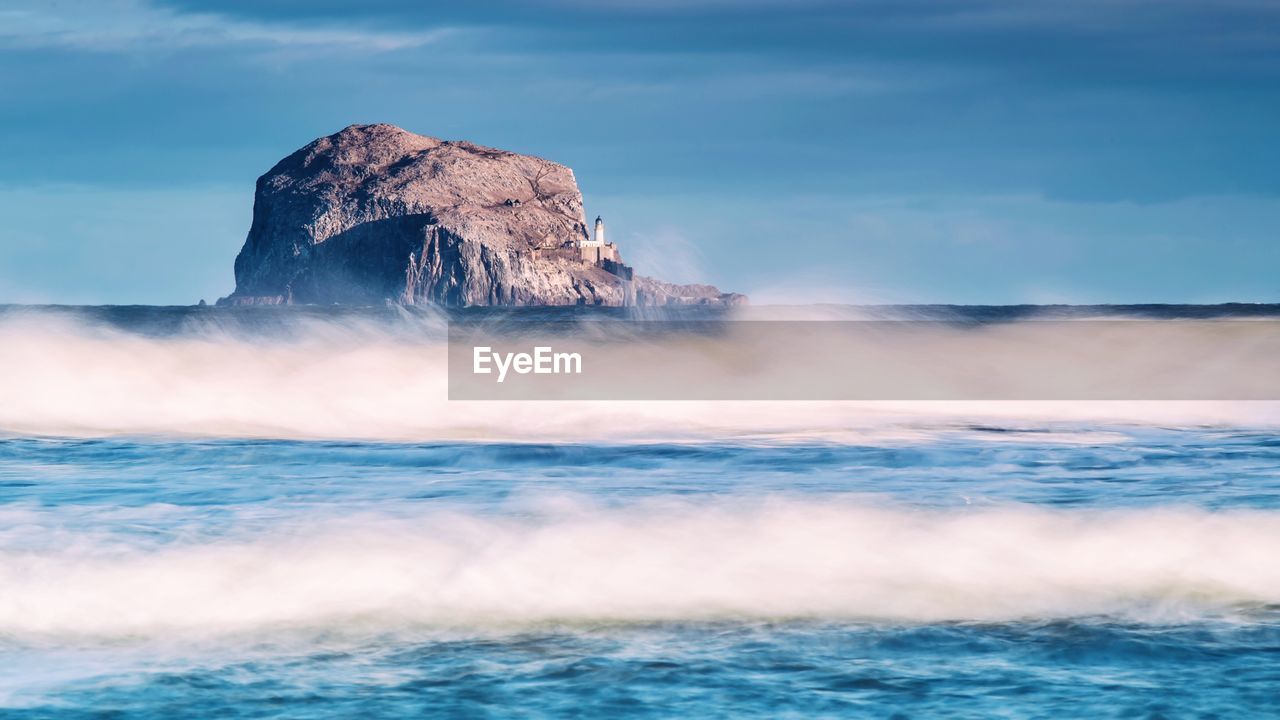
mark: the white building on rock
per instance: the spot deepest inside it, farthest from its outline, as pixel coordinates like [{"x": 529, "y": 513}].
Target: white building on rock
[
  {"x": 597, "y": 237},
  {"x": 595, "y": 249}
]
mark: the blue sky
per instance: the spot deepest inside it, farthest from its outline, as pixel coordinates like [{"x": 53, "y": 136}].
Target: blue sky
[{"x": 798, "y": 150}]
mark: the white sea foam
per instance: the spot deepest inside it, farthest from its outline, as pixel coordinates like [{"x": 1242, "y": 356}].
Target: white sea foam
[
  {"x": 657, "y": 561},
  {"x": 353, "y": 379}
]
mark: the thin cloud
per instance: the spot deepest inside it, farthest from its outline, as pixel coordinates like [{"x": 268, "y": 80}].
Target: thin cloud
[
  {"x": 666, "y": 253},
  {"x": 137, "y": 26}
]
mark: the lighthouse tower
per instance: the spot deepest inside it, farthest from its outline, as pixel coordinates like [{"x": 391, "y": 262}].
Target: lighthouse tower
[
  {"x": 597, "y": 238},
  {"x": 598, "y": 252}
]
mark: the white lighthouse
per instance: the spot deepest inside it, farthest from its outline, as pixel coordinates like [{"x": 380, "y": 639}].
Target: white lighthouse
[
  {"x": 596, "y": 240},
  {"x": 597, "y": 236},
  {"x": 595, "y": 249}
]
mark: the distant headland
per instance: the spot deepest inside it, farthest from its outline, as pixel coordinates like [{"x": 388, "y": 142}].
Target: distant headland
[{"x": 377, "y": 215}]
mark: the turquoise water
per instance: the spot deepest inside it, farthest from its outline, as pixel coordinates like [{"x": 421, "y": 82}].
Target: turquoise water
[
  {"x": 188, "y": 529},
  {"x": 109, "y": 546}
]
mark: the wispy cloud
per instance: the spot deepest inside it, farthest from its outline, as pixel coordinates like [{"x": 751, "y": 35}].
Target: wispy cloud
[
  {"x": 667, "y": 253},
  {"x": 681, "y": 6},
  {"x": 135, "y": 26}
]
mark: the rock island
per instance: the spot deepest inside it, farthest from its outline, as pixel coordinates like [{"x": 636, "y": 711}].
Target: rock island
[{"x": 375, "y": 214}]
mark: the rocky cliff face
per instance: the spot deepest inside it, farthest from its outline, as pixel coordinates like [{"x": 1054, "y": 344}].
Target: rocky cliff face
[{"x": 375, "y": 214}]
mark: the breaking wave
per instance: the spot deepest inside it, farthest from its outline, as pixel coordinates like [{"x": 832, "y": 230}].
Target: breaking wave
[
  {"x": 657, "y": 561},
  {"x": 344, "y": 376}
]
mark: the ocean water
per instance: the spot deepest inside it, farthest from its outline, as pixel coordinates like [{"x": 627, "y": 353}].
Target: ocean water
[{"x": 278, "y": 514}]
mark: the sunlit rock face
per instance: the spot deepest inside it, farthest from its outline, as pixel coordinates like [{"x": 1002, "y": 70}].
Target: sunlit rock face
[{"x": 375, "y": 214}]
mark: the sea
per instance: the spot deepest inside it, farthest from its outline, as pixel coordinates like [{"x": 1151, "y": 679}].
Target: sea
[{"x": 278, "y": 513}]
